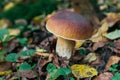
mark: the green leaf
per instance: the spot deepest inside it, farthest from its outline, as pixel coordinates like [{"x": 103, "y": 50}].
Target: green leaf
[
  {"x": 3, "y": 51},
  {"x": 29, "y": 52},
  {"x": 1, "y": 78},
  {"x": 51, "y": 67},
  {"x": 116, "y": 76},
  {"x": 72, "y": 79},
  {"x": 64, "y": 71},
  {"x": 2, "y": 58},
  {"x": 23, "y": 41},
  {"x": 25, "y": 66},
  {"x": 114, "y": 67},
  {"x": 7, "y": 38},
  {"x": 55, "y": 73},
  {"x": 113, "y": 35},
  {"x": 83, "y": 51},
  {"x": 3, "y": 32},
  {"x": 12, "y": 57}
]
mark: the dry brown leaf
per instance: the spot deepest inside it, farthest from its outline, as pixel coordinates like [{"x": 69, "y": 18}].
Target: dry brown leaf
[
  {"x": 104, "y": 76},
  {"x": 27, "y": 74},
  {"x": 4, "y": 66},
  {"x": 44, "y": 54},
  {"x": 108, "y": 22},
  {"x": 99, "y": 64},
  {"x": 112, "y": 60},
  {"x": 98, "y": 45},
  {"x": 117, "y": 44}
]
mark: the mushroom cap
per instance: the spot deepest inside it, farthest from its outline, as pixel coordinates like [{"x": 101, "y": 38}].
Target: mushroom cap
[{"x": 69, "y": 25}]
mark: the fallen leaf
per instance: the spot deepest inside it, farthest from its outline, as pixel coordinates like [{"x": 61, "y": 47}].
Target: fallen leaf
[
  {"x": 8, "y": 6},
  {"x": 5, "y": 72},
  {"x": 5, "y": 68},
  {"x": 13, "y": 45},
  {"x": 112, "y": 60},
  {"x": 99, "y": 44},
  {"x": 117, "y": 44},
  {"x": 113, "y": 35},
  {"x": 104, "y": 76},
  {"x": 83, "y": 71},
  {"x": 90, "y": 57},
  {"x": 28, "y": 74},
  {"x": 21, "y": 22},
  {"x": 41, "y": 50},
  {"x": 43, "y": 54},
  {"x": 99, "y": 65},
  {"x": 14, "y": 32},
  {"x": 107, "y": 23},
  {"x": 78, "y": 44},
  {"x": 39, "y": 18},
  {"x": 111, "y": 19},
  {"x": 4, "y": 23}
]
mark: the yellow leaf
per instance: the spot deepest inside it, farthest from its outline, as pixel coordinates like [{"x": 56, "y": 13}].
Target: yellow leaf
[
  {"x": 83, "y": 71},
  {"x": 5, "y": 72},
  {"x": 4, "y": 23},
  {"x": 38, "y": 18},
  {"x": 41, "y": 50},
  {"x": 78, "y": 44},
  {"x": 8, "y": 6},
  {"x": 14, "y": 32}
]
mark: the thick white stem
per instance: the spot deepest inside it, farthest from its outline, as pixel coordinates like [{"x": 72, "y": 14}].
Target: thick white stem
[{"x": 64, "y": 47}]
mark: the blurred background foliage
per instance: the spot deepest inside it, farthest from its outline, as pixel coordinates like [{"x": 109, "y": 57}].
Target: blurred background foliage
[{"x": 26, "y": 9}]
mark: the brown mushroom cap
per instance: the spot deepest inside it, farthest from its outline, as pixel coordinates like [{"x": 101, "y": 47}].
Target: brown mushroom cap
[{"x": 69, "y": 25}]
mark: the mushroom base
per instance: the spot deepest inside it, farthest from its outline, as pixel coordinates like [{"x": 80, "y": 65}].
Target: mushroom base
[{"x": 64, "y": 47}]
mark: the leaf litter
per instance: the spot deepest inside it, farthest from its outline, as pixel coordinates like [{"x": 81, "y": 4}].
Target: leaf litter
[{"x": 96, "y": 55}]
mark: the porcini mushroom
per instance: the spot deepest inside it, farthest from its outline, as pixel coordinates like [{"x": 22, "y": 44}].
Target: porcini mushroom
[{"x": 68, "y": 26}]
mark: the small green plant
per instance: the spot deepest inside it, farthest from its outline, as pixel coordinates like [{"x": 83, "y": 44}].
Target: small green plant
[
  {"x": 5, "y": 37},
  {"x": 83, "y": 51},
  {"x": 114, "y": 67},
  {"x": 72, "y": 78},
  {"x": 29, "y": 52},
  {"x": 54, "y": 72},
  {"x": 23, "y": 41},
  {"x": 1, "y": 78},
  {"x": 12, "y": 57},
  {"x": 25, "y": 66},
  {"x": 116, "y": 76}
]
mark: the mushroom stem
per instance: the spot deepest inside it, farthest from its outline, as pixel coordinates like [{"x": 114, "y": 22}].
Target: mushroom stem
[{"x": 64, "y": 47}]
